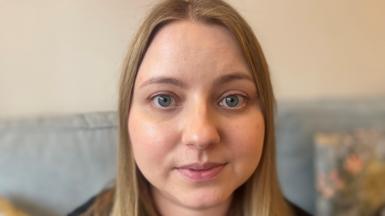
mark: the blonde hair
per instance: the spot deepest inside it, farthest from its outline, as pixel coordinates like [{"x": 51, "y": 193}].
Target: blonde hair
[{"x": 261, "y": 194}]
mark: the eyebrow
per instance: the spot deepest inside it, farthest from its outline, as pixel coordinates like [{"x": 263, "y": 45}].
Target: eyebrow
[
  {"x": 221, "y": 80},
  {"x": 164, "y": 80},
  {"x": 232, "y": 77}
]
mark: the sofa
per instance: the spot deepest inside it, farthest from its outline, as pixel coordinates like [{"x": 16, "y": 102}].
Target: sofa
[{"x": 51, "y": 164}]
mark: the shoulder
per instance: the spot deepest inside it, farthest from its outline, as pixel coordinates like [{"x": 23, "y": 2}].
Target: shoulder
[
  {"x": 100, "y": 204},
  {"x": 298, "y": 211}
]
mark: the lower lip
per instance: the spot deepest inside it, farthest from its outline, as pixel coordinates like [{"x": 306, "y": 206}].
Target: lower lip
[{"x": 201, "y": 175}]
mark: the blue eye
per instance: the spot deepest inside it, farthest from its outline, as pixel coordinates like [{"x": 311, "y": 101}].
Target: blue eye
[
  {"x": 163, "y": 100},
  {"x": 233, "y": 101}
]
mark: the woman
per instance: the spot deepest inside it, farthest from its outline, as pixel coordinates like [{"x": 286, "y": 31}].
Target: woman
[{"x": 196, "y": 119}]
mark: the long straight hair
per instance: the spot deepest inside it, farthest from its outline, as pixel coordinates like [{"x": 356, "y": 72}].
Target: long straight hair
[{"x": 260, "y": 194}]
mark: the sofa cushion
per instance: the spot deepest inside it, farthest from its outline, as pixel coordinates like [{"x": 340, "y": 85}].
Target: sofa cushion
[{"x": 50, "y": 165}]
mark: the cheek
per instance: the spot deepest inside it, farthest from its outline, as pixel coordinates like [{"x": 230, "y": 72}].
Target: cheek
[
  {"x": 151, "y": 141},
  {"x": 247, "y": 138}
]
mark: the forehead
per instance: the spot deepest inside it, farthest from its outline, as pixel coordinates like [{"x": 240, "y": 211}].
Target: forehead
[
  {"x": 188, "y": 47},
  {"x": 193, "y": 34}
]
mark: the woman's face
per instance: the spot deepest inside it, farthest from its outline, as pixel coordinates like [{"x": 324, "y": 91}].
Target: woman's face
[{"x": 195, "y": 124}]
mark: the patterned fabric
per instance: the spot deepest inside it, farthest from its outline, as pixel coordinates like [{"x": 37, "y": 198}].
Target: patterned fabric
[{"x": 350, "y": 169}]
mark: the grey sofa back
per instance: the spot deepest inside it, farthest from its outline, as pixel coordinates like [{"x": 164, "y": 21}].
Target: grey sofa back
[{"x": 50, "y": 165}]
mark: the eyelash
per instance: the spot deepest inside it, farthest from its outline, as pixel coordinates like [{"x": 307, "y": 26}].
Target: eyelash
[{"x": 243, "y": 99}]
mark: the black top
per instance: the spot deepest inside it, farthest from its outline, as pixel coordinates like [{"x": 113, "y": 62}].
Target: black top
[
  {"x": 298, "y": 211},
  {"x": 83, "y": 208}
]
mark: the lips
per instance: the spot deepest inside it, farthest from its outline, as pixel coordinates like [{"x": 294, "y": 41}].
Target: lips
[{"x": 198, "y": 172}]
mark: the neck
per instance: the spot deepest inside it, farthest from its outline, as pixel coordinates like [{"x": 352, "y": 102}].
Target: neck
[{"x": 169, "y": 207}]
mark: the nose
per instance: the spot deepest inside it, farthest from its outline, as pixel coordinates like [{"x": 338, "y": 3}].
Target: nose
[{"x": 200, "y": 130}]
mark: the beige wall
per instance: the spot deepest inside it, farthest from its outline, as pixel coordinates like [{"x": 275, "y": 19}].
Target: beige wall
[{"x": 64, "y": 56}]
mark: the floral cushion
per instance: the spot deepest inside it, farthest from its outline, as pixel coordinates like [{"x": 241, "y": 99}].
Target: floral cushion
[{"x": 350, "y": 172}]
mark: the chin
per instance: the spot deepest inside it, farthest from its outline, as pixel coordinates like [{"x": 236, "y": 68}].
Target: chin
[{"x": 204, "y": 199}]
